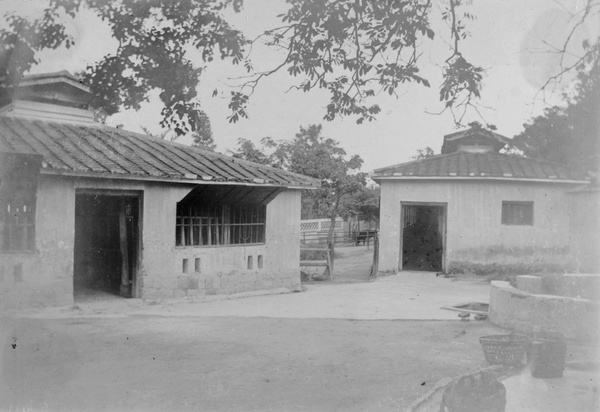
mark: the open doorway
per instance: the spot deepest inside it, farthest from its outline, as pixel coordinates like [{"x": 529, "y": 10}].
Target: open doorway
[
  {"x": 106, "y": 245},
  {"x": 423, "y": 237}
]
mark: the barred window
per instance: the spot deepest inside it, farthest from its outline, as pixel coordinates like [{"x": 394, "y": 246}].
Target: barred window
[
  {"x": 517, "y": 213},
  {"x": 17, "y": 226},
  {"x": 219, "y": 225}
]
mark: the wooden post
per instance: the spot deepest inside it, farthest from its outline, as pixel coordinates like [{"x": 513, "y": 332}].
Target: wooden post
[
  {"x": 331, "y": 259},
  {"x": 124, "y": 289},
  {"x": 375, "y": 265}
]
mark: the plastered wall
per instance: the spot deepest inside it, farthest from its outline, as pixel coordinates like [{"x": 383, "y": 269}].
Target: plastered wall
[
  {"x": 45, "y": 276},
  {"x": 474, "y": 229}
]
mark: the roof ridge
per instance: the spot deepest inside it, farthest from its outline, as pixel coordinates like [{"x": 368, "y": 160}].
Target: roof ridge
[{"x": 433, "y": 157}]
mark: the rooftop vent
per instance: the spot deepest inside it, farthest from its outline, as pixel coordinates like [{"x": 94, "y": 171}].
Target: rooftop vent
[
  {"x": 56, "y": 96},
  {"x": 473, "y": 140}
]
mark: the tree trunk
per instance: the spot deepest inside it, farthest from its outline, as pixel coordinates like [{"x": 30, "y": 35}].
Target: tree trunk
[{"x": 331, "y": 229}]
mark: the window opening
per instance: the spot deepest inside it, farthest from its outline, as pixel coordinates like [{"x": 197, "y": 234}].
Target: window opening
[
  {"x": 517, "y": 213},
  {"x": 17, "y": 227},
  {"x": 219, "y": 225},
  {"x": 259, "y": 261}
]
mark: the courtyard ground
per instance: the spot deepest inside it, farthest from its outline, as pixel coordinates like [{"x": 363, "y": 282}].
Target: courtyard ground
[
  {"x": 174, "y": 363},
  {"x": 349, "y": 346}
]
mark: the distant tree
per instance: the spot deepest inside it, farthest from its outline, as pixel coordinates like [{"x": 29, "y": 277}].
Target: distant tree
[
  {"x": 247, "y": 150},
  {"x": 162, "y": 135},
  {"x": 362, "y": 205},
  {"x": 423, "y": 153},
  {"x": 203, "y": 136},
  {"x": 569, "y": 133},
  {"x": 312, "y": 155}
]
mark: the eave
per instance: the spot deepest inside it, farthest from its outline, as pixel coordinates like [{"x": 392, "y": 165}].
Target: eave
[{"x": 192, "y": 180}]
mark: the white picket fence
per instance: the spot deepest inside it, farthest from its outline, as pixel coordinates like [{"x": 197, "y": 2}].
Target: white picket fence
[
  {"x": 320, "y": 225},
  {"x": 315, "y": 231}
]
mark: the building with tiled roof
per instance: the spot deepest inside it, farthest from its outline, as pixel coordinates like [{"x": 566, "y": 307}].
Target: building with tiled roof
[
  {"x": 89, "y": 208},
  {"x": 472, "y": 205}
]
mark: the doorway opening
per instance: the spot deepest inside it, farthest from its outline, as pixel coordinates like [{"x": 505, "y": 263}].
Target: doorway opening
[
  {"x": 106, "y": 248},
  {"x": 423, "y": 238}
]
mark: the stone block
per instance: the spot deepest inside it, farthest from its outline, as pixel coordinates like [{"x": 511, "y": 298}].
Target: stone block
[{"x": 530, "y": 284}]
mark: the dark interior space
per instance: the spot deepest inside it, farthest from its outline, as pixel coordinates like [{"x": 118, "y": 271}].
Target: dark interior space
[
  {"x": 105, "y": 245},
  {"x": 422, "y": 237}
]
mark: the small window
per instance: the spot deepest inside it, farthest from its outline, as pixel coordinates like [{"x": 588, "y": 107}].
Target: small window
[
  {"x": 517, "y": 213},
  {"x": 259, "y": 261}
]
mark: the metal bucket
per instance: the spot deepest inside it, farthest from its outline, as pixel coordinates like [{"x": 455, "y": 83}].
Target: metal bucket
[{"x": 549, "y": 351}]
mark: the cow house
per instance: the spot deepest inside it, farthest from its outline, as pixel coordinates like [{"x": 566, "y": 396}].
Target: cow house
[{"x": 89, "y": 210}]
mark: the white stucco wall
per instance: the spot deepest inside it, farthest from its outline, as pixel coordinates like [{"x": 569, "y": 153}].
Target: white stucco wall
[
  {"x": 47, "y": 273},
  {"x": 474, "y": 210}
]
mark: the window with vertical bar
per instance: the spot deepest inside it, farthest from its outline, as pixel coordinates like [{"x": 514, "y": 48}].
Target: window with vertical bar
[
  {"x": 517, "y": 213},
  {"x": 17, "y": 226},
  {"x": 219, "y": 225}
]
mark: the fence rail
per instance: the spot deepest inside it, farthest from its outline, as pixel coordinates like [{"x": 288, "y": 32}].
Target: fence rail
[
  {"x": 320, "y": 238},
  {"x": 365, "y": 237}
]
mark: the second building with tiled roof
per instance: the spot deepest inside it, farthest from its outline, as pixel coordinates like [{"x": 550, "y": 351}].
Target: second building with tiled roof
[{"x": 472, "y": 206}]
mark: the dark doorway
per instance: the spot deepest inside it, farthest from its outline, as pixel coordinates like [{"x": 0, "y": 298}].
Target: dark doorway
[
  {"x": 106, "y": 245},
  {"x": 423, "y": 237}
]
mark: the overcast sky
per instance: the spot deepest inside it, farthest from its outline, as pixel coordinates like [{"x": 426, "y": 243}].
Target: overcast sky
[{"x": 505, "y": 40}]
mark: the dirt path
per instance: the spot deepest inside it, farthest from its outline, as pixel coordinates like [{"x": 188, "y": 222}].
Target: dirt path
[
  {"x": 228, "y": 363},
  {"x": 351, "y": 265}
]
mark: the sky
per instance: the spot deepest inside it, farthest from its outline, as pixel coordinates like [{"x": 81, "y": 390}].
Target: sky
[{"x": 506, "y": 40}]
